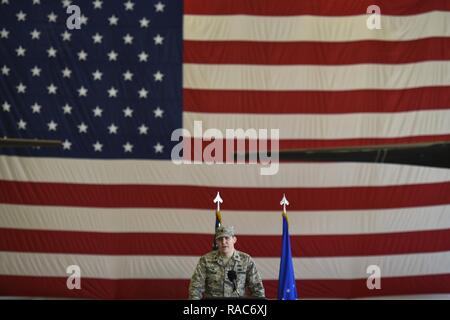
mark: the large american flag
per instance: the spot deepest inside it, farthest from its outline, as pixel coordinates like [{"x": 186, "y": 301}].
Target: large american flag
[{"x": 111, "y": 201}]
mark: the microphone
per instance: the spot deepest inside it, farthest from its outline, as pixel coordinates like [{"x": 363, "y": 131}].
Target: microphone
[{"x": 232, "y": 276}]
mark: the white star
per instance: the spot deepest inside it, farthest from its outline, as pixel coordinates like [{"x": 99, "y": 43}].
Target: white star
[
  {"x": 52, "y": 89},
  {"x": 128, "y": 76},
  {"x": 97, "y": 111},
  {"x": 112, "y": 55},
  {"x": 143, "y": 56},
  {"x": 67, "y": 109},
  {"x": 51, "y": 52},
  {"x": 66, "y": 36},
  {"x": 112, "y": 129},
  {"x": 128, "y": 147},
  {"x": 158, "y": 76},
  {"x": 5, "y": 70},
  {"x": 21, "y": 51},
  {"x": 82, "y": 128},
  {"x": 158, "y": 112},
  {"x": 66, "y": 144},
  {"x": 158, "y": 39},
  {"x": 143, "y": 129},
  {"x": 82, "y": 55},
  {"x": 4, "y": 33},
  {"x": 36, "y": 72},
  {"x": 6, "y": 106},
  {"x": 158, "y": 148},
  {"x": 82, "y": 92},
  {"x": 112, "y": 92},
  {"x": 97, "y": 4},
  {"x": 159, "y": 7},
  {"x": 35, "y": 34},
  {"x": 36, "y": 1},
  {"x": 97, "y": 75},
  {"x": 21, "y": 88},
  {"x": 52, "y": 17},
  {"x": 66, "y": 3},
  {"x": 83, "y": 19},
  {"x": 52, "y": 126},
  {"x": 128, "y": 112},
  {"x": 97, "y": 38},
  {"x": 128, "y": 39},
  {"x": 129, "y": 5},
  {"x": 97, "y": 147},
  {"x": 143, "y": 93},
  {"x": 22, "y": 124},
  {"x": 66, "y": 72},
  {"x": 21, "y": 16},
  {"x": 113, "y": 20},
  {"x": 144, "y": 22},
  {"x": 36, "y": 108}
]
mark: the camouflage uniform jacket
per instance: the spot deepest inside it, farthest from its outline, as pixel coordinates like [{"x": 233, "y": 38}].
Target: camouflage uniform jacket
[{"x": 211, "y": 277}]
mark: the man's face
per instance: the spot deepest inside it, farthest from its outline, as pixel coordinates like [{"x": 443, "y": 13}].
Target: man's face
[{"x": 226, "y": 245}]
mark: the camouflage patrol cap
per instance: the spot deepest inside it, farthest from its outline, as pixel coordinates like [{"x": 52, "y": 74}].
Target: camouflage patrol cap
[{"x": 225, "y": 232}]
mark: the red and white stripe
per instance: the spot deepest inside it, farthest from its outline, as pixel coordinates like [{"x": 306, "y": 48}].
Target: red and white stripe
[
  {"x": 314, "y": 71},
  {"x": 123, "y": 236}
]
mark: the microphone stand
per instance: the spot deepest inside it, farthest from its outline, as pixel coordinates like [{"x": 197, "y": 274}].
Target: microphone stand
[{"x": 232, "y": 277}]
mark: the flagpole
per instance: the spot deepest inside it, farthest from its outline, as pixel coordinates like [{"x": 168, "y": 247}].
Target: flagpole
[
  {"x": 287, "y": 289},
  {"x": 217, "y": 200},
  {"x": 284, "y": 202}
]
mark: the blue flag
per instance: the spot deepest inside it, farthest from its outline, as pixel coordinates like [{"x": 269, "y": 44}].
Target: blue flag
[{"x": 287, "y": 289}]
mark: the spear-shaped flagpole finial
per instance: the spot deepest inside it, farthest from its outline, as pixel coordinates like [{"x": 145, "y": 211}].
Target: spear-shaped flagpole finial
[
  {"x": 218, "y": 200},
  {"x": 284, "y": 202}
]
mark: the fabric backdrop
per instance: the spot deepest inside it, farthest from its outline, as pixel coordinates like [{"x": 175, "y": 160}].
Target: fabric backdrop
[{"x": 111, "y": 201}]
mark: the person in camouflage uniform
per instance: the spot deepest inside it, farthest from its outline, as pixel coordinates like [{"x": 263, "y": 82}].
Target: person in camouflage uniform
[{"x": 211, "y": 278}]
